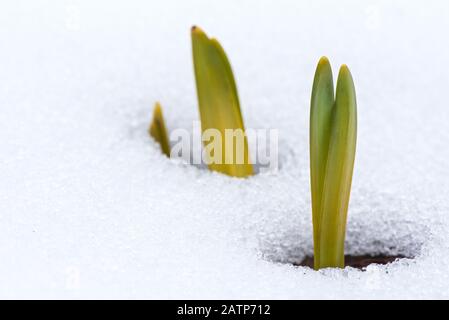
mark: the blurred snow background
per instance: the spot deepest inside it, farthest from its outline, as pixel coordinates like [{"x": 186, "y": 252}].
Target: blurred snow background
[{"x": 90, "y": 209}]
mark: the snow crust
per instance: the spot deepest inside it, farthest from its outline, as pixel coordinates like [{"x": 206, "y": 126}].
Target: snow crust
[{"x": 89, "y": 208}]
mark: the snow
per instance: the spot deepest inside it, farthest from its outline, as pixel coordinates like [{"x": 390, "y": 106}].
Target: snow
[{"x": 89, "y": 208}]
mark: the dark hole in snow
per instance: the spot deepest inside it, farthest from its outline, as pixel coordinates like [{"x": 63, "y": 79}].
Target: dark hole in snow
[{"x": 358, "y": 262}]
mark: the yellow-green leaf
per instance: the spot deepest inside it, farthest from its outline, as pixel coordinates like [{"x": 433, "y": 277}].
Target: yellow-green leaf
[
  {"x": 321, "y": 106},
  {"x": 219, "y": 104},
  {"x": 158, "y": 130},
  {"x": 339, "y": 168}
]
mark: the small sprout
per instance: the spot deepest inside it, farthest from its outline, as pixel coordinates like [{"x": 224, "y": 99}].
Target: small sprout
[
  {"x": 158, "y": 130},
  {"x": 219, "y": 104},
  {"x": 333, "y": 132}
]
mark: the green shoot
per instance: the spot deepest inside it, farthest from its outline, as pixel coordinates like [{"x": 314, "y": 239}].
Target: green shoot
[
  {"x": 219, "y": 104},
  {"x": 333, "y": 131},
  {"x": 320, "y": 129},
  {"x": 158, "y": 130}
]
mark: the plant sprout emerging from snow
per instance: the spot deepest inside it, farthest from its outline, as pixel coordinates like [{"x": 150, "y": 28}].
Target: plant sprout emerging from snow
[
  {"x": 219, "y": 110},
  {"x": 333, "y": 131},
  {"x": 158, "y": 130},
  {"x": 219, "y": 103}
]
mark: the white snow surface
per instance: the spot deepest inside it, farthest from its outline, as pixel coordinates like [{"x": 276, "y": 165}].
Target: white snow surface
[{"x": 89, "y": 208}]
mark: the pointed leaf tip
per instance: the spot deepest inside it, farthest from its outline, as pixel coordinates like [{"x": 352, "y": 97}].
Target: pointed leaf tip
[
  {"x": 344, "y": 71},
  {"x": 197, "y": 30},
  {"x": 157, "y": 109},
  {"x": 323, "y": 61}
]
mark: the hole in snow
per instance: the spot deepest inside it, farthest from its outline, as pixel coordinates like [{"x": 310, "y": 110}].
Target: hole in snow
[
  {"x": 380, "y": 229},
  {"x": 358, "y": 262}
]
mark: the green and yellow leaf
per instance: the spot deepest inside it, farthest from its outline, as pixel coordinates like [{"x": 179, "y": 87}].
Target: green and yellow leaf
[
  {"x": 321, "y": 106},
  {"x": 219, "y": 104},
  {"x": 338, "y": 176},
  {"x": 158, "y": 130}
]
